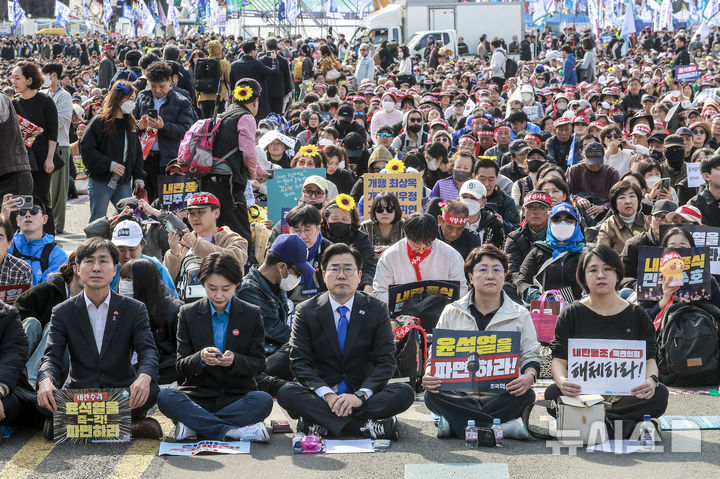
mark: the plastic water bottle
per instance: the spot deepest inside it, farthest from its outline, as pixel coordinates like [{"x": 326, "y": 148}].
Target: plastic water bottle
[
  {"x": 112, "y": 184},
  {"x": 471, "y": 435},
  {"x": 497, "y": 429},
  {"x": 647, "y": 434}
]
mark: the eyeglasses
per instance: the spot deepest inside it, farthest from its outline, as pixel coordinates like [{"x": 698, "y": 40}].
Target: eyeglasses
[
  {"x": 384, "y": 135},
  {"x": 32, "y": 211},
  {"x": 495, "y": 270},
  {"x": 661, "y": 217},
  {"x": 384, "y": 209},
  {"x": 414, "y": 120},
  {"x": 606, "y": 271},
  {"x": 615, "y": 136},
  {"x": 304, "y": 230},
  {"x": 562, "y": 219},
  {"x": 335, "y": 270},
  {"x": 698, "y": 132},
  {"x": 314, "y": 193}
]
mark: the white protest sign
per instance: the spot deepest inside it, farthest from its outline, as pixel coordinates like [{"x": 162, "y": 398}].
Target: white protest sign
[
  {"x": 694, "y": 177},
  {"x": 605, "y": 366},
  {"x": 191, "y": 449}
]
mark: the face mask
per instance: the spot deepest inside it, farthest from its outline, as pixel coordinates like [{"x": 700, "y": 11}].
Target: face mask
[
  {"x": 652, "y": 181},
  {"x": 339, "y": 230},
  {"x": 432, "y": 166},
  {"x": 400, "y": 54},
  {"x": 618, "y": 118},
  {"x": 47, "y": 81},
  {"x": 127, "y": 107},
  {"x": 473, "y": 206},
  {"x": 388, "y": 106},
  {"x": 461, "y": 176},
  {"x": 341, "y": 165},
  {"x": 675, "y": 157},
  {"x": 527, "y": 97},
  {"x": 562, "y": 106},
  {"x": 562, "y": 231},
  {"x": 125, "y": 288},
  {"x": 289, "y": 282},
  {"x": 415, "y": 128},
  {"x": 534, "y": 165}
]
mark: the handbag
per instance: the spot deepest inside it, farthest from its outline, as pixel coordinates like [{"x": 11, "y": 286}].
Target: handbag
[{"x": 544, "y": 313}]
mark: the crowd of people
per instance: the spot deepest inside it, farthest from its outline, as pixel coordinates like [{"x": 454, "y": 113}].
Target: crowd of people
[{"x": 545, "y": 178}]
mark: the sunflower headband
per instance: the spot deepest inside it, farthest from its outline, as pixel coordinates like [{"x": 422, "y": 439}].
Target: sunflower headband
[
  {"x": 493, "y": 158},
  {"x": 345, "y": 202},
  {"x": 243, "y": 93},
  {"x": 309, "y": 151},
  {"x": 395, "y": 166}
]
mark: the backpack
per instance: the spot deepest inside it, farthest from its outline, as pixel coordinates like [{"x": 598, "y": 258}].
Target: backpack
[
  {"x": 195, "y": 154},
  {"x": 207, "y": 75},
  {"x": 410, "y": 350},
  {"x": 426, "y": 307},
  {"x": 44, "y": 258},
  {"x": 688, "y": 351},
  {"x": 188, "y": 286},
  {"x": 511, "y": 67}
]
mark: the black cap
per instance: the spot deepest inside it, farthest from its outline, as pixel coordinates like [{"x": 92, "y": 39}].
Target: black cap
[
  {"x": 345, "y": 112},
  {"x": 674, "y": 140},
  {"x": 539, "y": 151},
  {"x": 594, "y": 153},
  {"x": 663, "y": 206},
  {"x": 658, "y": 136},
  {"x": 354, "y": 145},
  {"x": 518, "y": 147}
]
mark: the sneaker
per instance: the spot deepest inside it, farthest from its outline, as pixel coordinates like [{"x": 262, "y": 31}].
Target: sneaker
[
  {"x": 255, "y": 432},
  {"x": 443, "y": 427},
  {"x": 146, "y": 428},
  {"x": 435, "y": 419},
  {"x": 381, "y": 428},
  {"x": 309, "y": 428},
  {"x": 182, "y": 432},
  {"x": 515, "y": 429}
]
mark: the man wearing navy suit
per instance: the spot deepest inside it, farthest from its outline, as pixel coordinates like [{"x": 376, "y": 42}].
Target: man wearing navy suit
[
  {"x": 101, "y": 329},
  {"x": 248, "y": 66},
  {"x": 342, "y": 357}
]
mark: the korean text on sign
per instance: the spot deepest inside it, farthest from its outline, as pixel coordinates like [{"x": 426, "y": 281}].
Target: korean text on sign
[
  {"x": 604, "y": 366},
  {"x": 92, "y": 416},
  {"x": 407, "y": 188}
]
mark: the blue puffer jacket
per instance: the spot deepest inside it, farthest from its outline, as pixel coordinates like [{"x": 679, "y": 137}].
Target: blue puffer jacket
[{"x": 31, "y": 251}]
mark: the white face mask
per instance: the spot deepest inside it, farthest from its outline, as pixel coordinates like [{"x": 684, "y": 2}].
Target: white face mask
[
  {"x": 289, "y": 282},
  {"x": 400, "y": 54},
  {"x": 46, "y": 81},
  {"x": 562, "y": 231},
  {"x": 562, "y": 106},
  {"x": 652, "y": 181},
  {"x": 388, "y": 106},
  {"x": 527, "y": 97},
  {"x": 432, "y": 165},
  {"x": 473, "y": 206},
  {"x": 127, "y": 107},
  {"x": 125, "y": 288},
  {"x": 341, "y": 165}
]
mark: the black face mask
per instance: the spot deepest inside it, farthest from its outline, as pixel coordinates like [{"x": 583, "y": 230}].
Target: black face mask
[
  {"x": 415, "y": 127},
  {"x": 339, "y": 230},
  {"x": 534, "y": 165},
  {"x": 675, "y": 157}
]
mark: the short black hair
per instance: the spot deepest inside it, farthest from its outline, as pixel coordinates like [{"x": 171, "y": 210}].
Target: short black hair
[
  {"x": 487, "y": 163},
  {"x": 708, "y": 163},
  {"x": 91, "y": 245},
  {"x": 7, "y": 227},
  {"x": 303, "y": 214},
  {"x": 621, "y": 187},
  {"x": 147, "y": 60},
  {"x": 158, "y": 72},
  {"x": 486, "y": 249},
  {"x": 336, "y": 250},
  {"x": 420, "y": 228},
  {"x": 677, "y": 230},
  {"x": 132, "y": 58},
  {"x": 437, "y": 150},
  {"x": 517, "y": 116},
  {"x": 53, "y": 67},
  {"x": 386, "y": 198},
  {"x": 249, "y": 47},
  {"x": 607, "y": 255},
  {"x": 224, "y": 264}
]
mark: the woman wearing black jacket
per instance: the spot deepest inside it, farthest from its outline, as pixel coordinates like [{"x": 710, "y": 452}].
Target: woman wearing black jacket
[
  {"x": 140, "y": 279},
  {"x": 111, "y": 150}
]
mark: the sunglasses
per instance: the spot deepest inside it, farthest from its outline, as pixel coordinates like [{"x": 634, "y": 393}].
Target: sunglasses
[
  {"x": 698, "y": 132},
  {"x": 384, "y": 209},
  {"x": 384, "y": 135},
  {"x": 615, "y": 136},
  {"x": 33, "y": 211},
  {"x": 414, "y": 120}
]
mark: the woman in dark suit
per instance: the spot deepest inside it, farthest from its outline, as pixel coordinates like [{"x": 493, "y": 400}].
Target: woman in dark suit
[{"x": 219, "y": 352}]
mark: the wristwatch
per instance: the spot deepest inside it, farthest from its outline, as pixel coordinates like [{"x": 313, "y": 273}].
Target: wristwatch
[
  {"x": 655, "y": 378},
  {"x": 362, "y": 397},
  {"x": 534, "y": 376}
]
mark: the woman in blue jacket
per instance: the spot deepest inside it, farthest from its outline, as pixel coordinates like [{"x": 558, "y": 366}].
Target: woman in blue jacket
[{"x": 569, "y": 73}]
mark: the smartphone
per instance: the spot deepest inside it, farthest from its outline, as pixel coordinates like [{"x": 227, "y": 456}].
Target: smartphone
[
  {"x": 26, "y": 201},
  {"x": 152, "y": 113},
  {"x": 173, "y": 224},
  {"x": 665, "y": 183},
  {"x": 218, "y": 355}
]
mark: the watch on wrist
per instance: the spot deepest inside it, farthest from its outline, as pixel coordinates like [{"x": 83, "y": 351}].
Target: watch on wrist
[
  {"x": 361, "y": 395},
  {"x": 655, "y": 378},
  {"x": 534, "y": 375}
]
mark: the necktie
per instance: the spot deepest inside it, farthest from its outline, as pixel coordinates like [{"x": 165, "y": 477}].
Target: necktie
[{"x": 342, "y": 335}]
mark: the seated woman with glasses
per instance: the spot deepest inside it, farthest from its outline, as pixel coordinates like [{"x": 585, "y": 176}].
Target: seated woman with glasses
[
  {"x": 487, "y": 308},
  {"x": 385, "y": 226},
  {"x": 603, "y": 314}
]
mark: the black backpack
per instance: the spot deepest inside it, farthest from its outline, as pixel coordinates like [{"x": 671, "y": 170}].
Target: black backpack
[
  {"x": 426, "y": 307},
  {"x": 410, "y": 350},
  {"x": 44, "y": 255},
  {"x": 688, "y": 350},
  {"x": 207, "y": 75},
  {"x": 511, "y": 67}
]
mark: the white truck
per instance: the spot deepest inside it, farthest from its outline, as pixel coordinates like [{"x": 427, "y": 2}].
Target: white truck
[{"x": 410, "y": 22}]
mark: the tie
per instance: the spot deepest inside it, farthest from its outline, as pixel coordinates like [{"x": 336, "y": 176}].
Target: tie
[{"x": 342, "y": 335}]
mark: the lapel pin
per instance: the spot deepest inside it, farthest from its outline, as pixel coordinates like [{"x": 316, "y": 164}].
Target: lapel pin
[
  {"x": 236, "y": 332},
  {"x": 361, "y": 311},
  {"x": 115, "y": 313}
]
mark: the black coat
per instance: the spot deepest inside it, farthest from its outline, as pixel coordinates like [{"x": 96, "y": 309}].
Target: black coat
[
  {"x": 360, "y": 241},
  {"x": 245, "y": 338},
  {"x": 558, "y": 152},
  {"x": 517, "y": 246},
  {"x": 38, "y": 301},
  {"x": 629, "y": 256},
  {"x": 280, "y": 83},
  {"x": 13, "y": 349},
  {"x": 99, "y": 151},
  {"x": 559, "y": 274},
  {"x": 468, "y": 241},
  {"x": 165, "y": 335},
  {"x": 249, "y": 67}
]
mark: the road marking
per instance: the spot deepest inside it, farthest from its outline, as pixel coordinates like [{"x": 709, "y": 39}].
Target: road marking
[
  {"x": 24, "y": 462},
  {"x": 138, "y": 457}
]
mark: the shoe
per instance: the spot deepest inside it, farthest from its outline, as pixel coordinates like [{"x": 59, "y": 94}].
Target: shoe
[
  {"x": 311, "y": 429},
  {"x": 255, "y": 432},
  {"x": 146, "y": 428},
  {"x": 435, "y": 419},
  {"x": 182, "y": 432},
  {"x": 48, "y": 429},
  {"x": 515, "y": 429},
  {"x": 443, "y": 428},
  {"x": 658, "y": 429},
  {"x": 381, "y": 428}
]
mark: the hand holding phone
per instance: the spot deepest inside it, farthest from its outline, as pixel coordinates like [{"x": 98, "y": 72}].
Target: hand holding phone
[
  {"x": 152, "y": 113},
  {"x": 665, "y": 185}
]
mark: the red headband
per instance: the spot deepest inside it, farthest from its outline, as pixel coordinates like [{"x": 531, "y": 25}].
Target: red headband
[
  {"x": 532, "y": 138},
  {"x": 485, "y": 133},
  {"x": 502, "y": 128},
  {"x": 454, "y": 220},
  {"x": 203, "y": 200}
]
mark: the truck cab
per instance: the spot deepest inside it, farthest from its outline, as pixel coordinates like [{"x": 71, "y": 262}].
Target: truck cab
[{"x": 418, "y": 42}]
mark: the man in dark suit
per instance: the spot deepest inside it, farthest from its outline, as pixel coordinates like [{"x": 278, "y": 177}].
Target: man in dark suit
[
  {"x": 342, "y": 356},
  {"x": 101, "y": 330},
  {"x": 248, "y": 66},
  {"x": 107, "y": 67},
  {"x": 219, "y": 352},
  {"x": 281, "y": 83}
]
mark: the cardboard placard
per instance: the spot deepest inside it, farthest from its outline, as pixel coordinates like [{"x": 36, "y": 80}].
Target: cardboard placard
[
  {"x": 407, "y": 188},
  {"x": 498, "y": 356},
  {"x": 80, "y": 172},
  {"x": 285, "y": 189},
  {"x": 686, "y": 73},
  {"x": 175, "y": 190},
  {"x": 29, "y": 130},
  {"x": 606, "y": 366},
  {"x": 399, "y": 293},
  {"x": 708, "y": 236},
  {"x": 694, "y": 177},
  {"x": 10, "y": 292},
  {"x": 696, "y": 274},
  {"x": 92, "y": 415}
]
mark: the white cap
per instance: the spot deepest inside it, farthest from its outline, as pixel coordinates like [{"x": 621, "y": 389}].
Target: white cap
[
  {"x": 127, "y": 233},
  {"x": 526, "y": 88},
  {"x": 475, "y": 188}
]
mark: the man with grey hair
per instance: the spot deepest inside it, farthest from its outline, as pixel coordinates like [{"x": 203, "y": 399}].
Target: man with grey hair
[{"x": 365, "y": 69}]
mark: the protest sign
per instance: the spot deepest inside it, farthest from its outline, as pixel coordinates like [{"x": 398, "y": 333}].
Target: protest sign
[
  {"x": 407, "y": 188},
  {"x": 498, "y": 354},
  {"x": 605, "y": 366},
  {"x": 694, "y": 177},
  {"x": 10, "y": 292},
  {"x": 284, "y": 227},
  {"x": 191, "y": 449},
  {"x": 708, "y": 236},
  {"x": 696, "y": 274},
  {"x": 80, "y": 173},
  {"x": 92, "y": 415},
  {"x": 399, "y": 293},
  {"x": 175, "y": 190},
  {"x": 686, "y": 73},
  {"x": 29, "y": 130},
  {"x": 285, "y": 189}
]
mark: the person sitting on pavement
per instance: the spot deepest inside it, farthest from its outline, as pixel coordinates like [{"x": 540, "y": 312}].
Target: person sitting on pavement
[
  {"x": 219, "y": 353},
  {"x": 30, "y": 243},
  {"x": 342, "y": 354},
  {"x": 314, "y": 193},
  {"x": 487, "y": 171},
  {"x": 13, "y": 271},
  {"x": 487, "y": 308},
  {"x": 102, "y": 330},
  {"x": 452, "y": 230},
  {"x": 420, "y": 256}
]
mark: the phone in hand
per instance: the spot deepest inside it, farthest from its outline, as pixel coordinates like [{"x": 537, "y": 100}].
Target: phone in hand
[
  {"x": 173, "y": 224},
  {"x": 218, "y": 355},
  {"x": 665, "y": 183},
  {"x": 26, "y": 201},
  {"x": 152, "y": 113}
]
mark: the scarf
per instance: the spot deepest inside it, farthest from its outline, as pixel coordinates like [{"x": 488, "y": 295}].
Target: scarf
[
  {"x": 574, "y": 244},
  {"x": 416, "y": 259},
  {"x": 309, "y": 288}
]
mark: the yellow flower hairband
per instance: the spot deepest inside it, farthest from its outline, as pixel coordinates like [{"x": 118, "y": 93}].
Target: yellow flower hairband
[
  {"x": 243, "y": 93},
  {"x": 309, "y": 150},
  {"x": 345, "y": 202},
  {"x": 395, "y": 166},
  {"x": 493, "y": 158}
]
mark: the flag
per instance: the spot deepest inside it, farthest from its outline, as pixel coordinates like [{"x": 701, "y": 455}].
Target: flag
[
  {"x": 214, "y": 15},
  {"x": 711, "y": 9},
  {"x": 594, "y": 16},
  {"x": 148, "y": 21},
  {"x": 161, "y": 13},
  {"x": 173, "y": 15},
  {"x": 665, "y": 16},
  {"x": 87, "y": 15},
  {"x": 332, "y": 10},
  {"x": 281, "y": 11},
  {"x": 469, "y": 107},
  {"x": 62, "y": 12},
  {"x": 571, "y": 155},
  {"x": 628, "y": 26},
  {"x": 293, "y": 10},
  {"x": 365, "y": 7},
  {"x": 107, "y": 10},
  {"x": 16, "y": 14}
]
